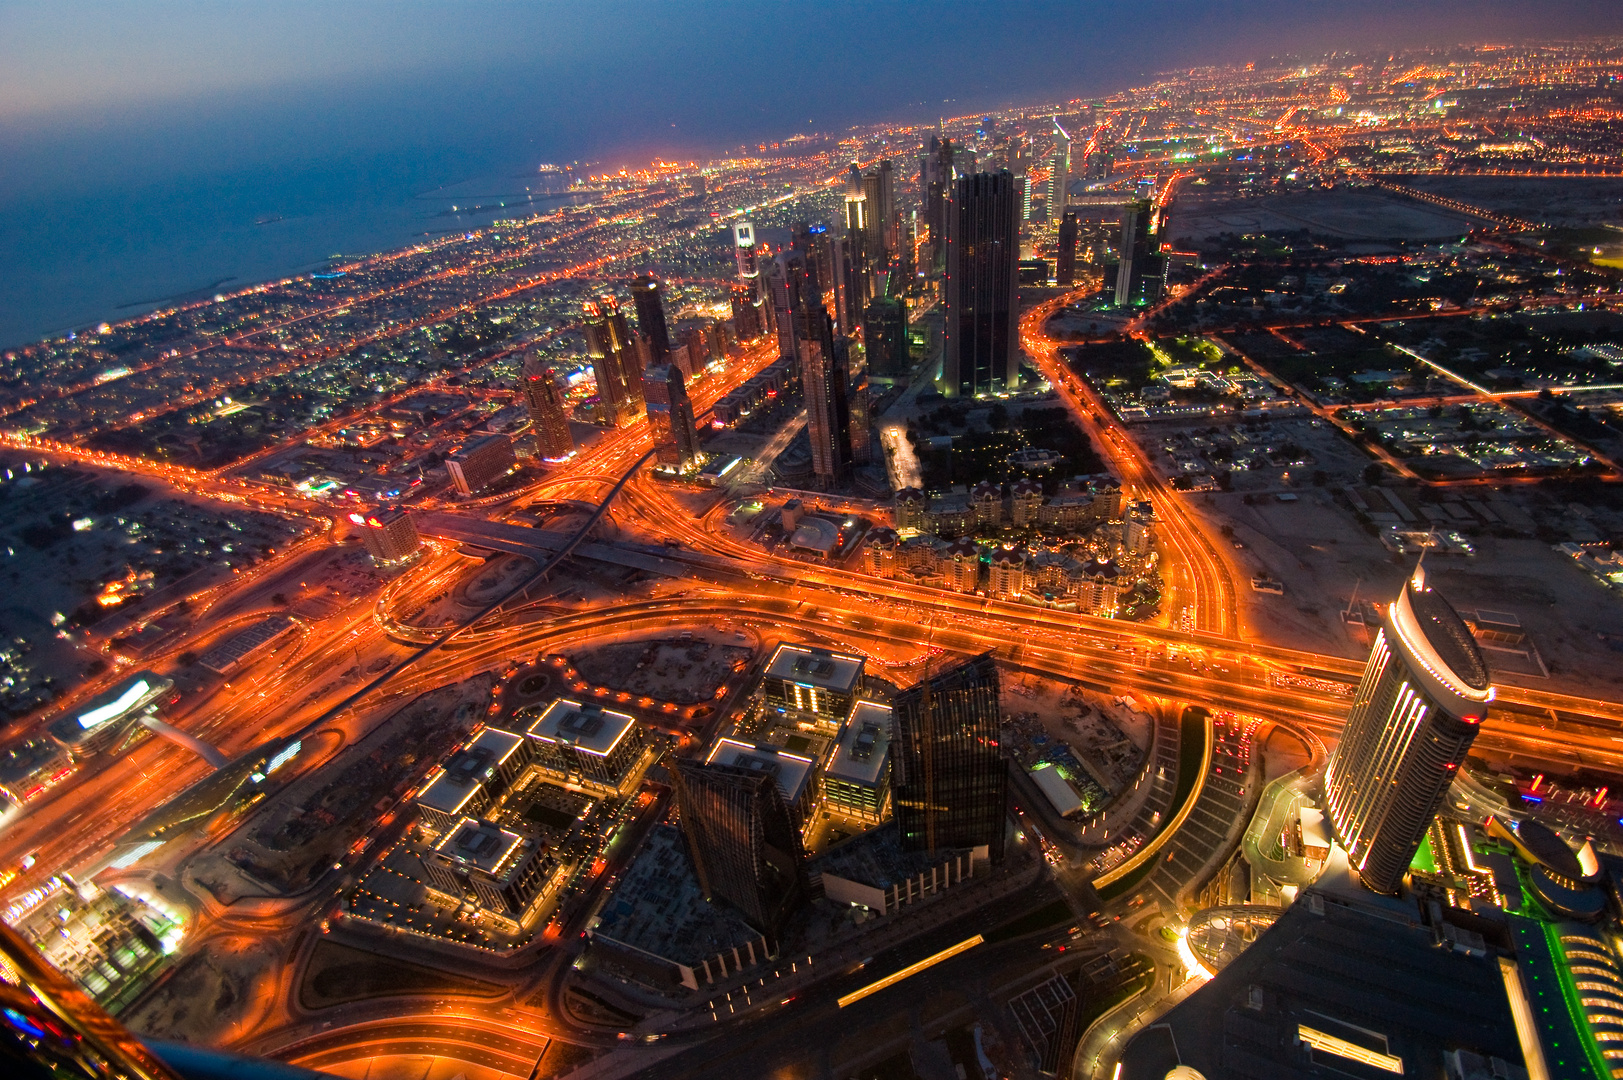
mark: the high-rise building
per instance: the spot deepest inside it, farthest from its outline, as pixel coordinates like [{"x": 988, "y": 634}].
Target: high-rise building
[
  {"x": 825, "y": 365},
  {"x": 884, "y": 336},
  {"x": 792, "y": 299},
  {"x": 670, "y": 416},
  {"x": 480, "y": 463},
  {"x": 648, "y": 294},
  {"x": 983, "y": 247},
  {"x": 1140, "y": 267},
  {"x": 749, "y": 316},
  {"x": 880, "y": 219},
  {"x": 949, "y": 780},
  {"x": 389, "y": 534},
  {"x": 615, "y": 362},
  {"x": 860, "y": 426},
  {"x": 549, "y": 416},
  {"x": 859, "y": 252},
  {"x": 1059, "y": 177},
  {"x": 935, "y": 183},
  {"x": 746, "y": 849},
  {"x": 1065, "y": 269},
  {"x": 1422, "y": 699}
]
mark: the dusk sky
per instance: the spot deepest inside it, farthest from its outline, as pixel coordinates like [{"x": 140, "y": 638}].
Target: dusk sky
[{"x": 137, "y": 140}]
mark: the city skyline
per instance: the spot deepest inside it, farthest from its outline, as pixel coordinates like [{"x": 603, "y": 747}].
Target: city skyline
[{"x": 1082, "y": 588}]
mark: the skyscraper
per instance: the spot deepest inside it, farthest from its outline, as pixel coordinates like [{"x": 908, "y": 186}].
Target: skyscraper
[
  {"x": 1060, "y": 176},
  {"x": 789, "y": 289},
  {"x": 742, "y": 837},
  {"x": 615, "y": 363},
  {"x": 1138, "y": 273},
  {"x": 670, "y": 416},
  {"x": 884, "y": 335},
  {"x": 879, "y": 216},
  {"x": 983, "y": 246},
  {"x": 1424, "y": 694},
  {"x": 1065, "y": 272},
  {"x": 806, "y": 335},
  {"x": 859, "y": 428},
  {"x": 825, "y": 365},
  {"x": 647, "y": 293},
  {"x": 935, "y": 181},
  {"x": 749, "y": 318},
  {"x": 859, "y": 250},
  {"x": 549, "y": 417},
  {"x": 948, "y": 777}
]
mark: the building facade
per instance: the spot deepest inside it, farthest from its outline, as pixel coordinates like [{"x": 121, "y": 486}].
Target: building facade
[
  {"x": 743, "y": 839},
  {"x": 1423, "y": 697},
  {"x": 949, "y": 780},
  {"x": 670, "y": 417},
  {"x": 389, "y": 534},
  {"x": 982, "y": 355},
  {"x": 648, "y": 294},
  {"x": 480, "y": 463},
  {"x": 615, "y": 363},
  {"x": 549, "y": 415}
]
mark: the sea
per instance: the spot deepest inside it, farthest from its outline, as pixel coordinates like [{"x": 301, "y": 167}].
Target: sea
[{"x": 75, "y": 260}]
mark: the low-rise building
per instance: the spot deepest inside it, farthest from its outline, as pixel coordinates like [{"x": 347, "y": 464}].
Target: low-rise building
[
  {"x": 106, "y": 720},
  {"x": 856, "y": 780},
  {"x": 816, "y": 682},
  {"x": 587, "y": 744},
  {"x": 497, "y": 869},
  {"x": 477, "y": 465},
  {"x": 473, "y": 778}
]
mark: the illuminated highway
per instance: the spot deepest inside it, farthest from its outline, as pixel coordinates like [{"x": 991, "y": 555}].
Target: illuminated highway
[{"x": 337, "y": 678}]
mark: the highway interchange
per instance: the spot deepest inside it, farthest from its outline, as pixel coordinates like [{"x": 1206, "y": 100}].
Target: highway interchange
[{"x": 310, "y": 687}]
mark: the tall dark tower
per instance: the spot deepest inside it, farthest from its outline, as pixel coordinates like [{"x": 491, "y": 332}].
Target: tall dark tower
[
  {"x": 936, "y": 181},
  {"x": 614, "y": 360},
  {"x": 647, "y": 293},
  {"x": 806, "y": 333},
  {"x": 745, "y": 847},
  {"x": 859, "y": 250},
  {"x": 1424, "y": 695},
  {"x": 884, "y": 335},
  {"x": 544, "y": 399},
  {"x": 825, "y": 364},
  {"x": 949, "y": 779},
  {"x": 670, "y": 416},
  {"x": 879, "y": 202},
  {"x": 1140, "y": 266},
  {"x": 983, "y": 246},
  {"x": 791, "y": 293},
  {"x": 1065, "y": 273},
  {"x": 860, "y": 426}
]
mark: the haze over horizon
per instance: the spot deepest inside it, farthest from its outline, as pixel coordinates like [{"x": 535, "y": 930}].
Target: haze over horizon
[{"x": 140, "y": 144}]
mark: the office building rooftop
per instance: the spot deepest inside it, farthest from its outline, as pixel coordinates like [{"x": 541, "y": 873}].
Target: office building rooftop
[
  {"x": 1337, "y": 987},
  {"x": 792, "y": 771},
  {"x": 815, "y": 667},
  {"x": 591, "y": 728},
  {"x": 480, "y": 845},
  {"x": 864, "y": 745}
]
